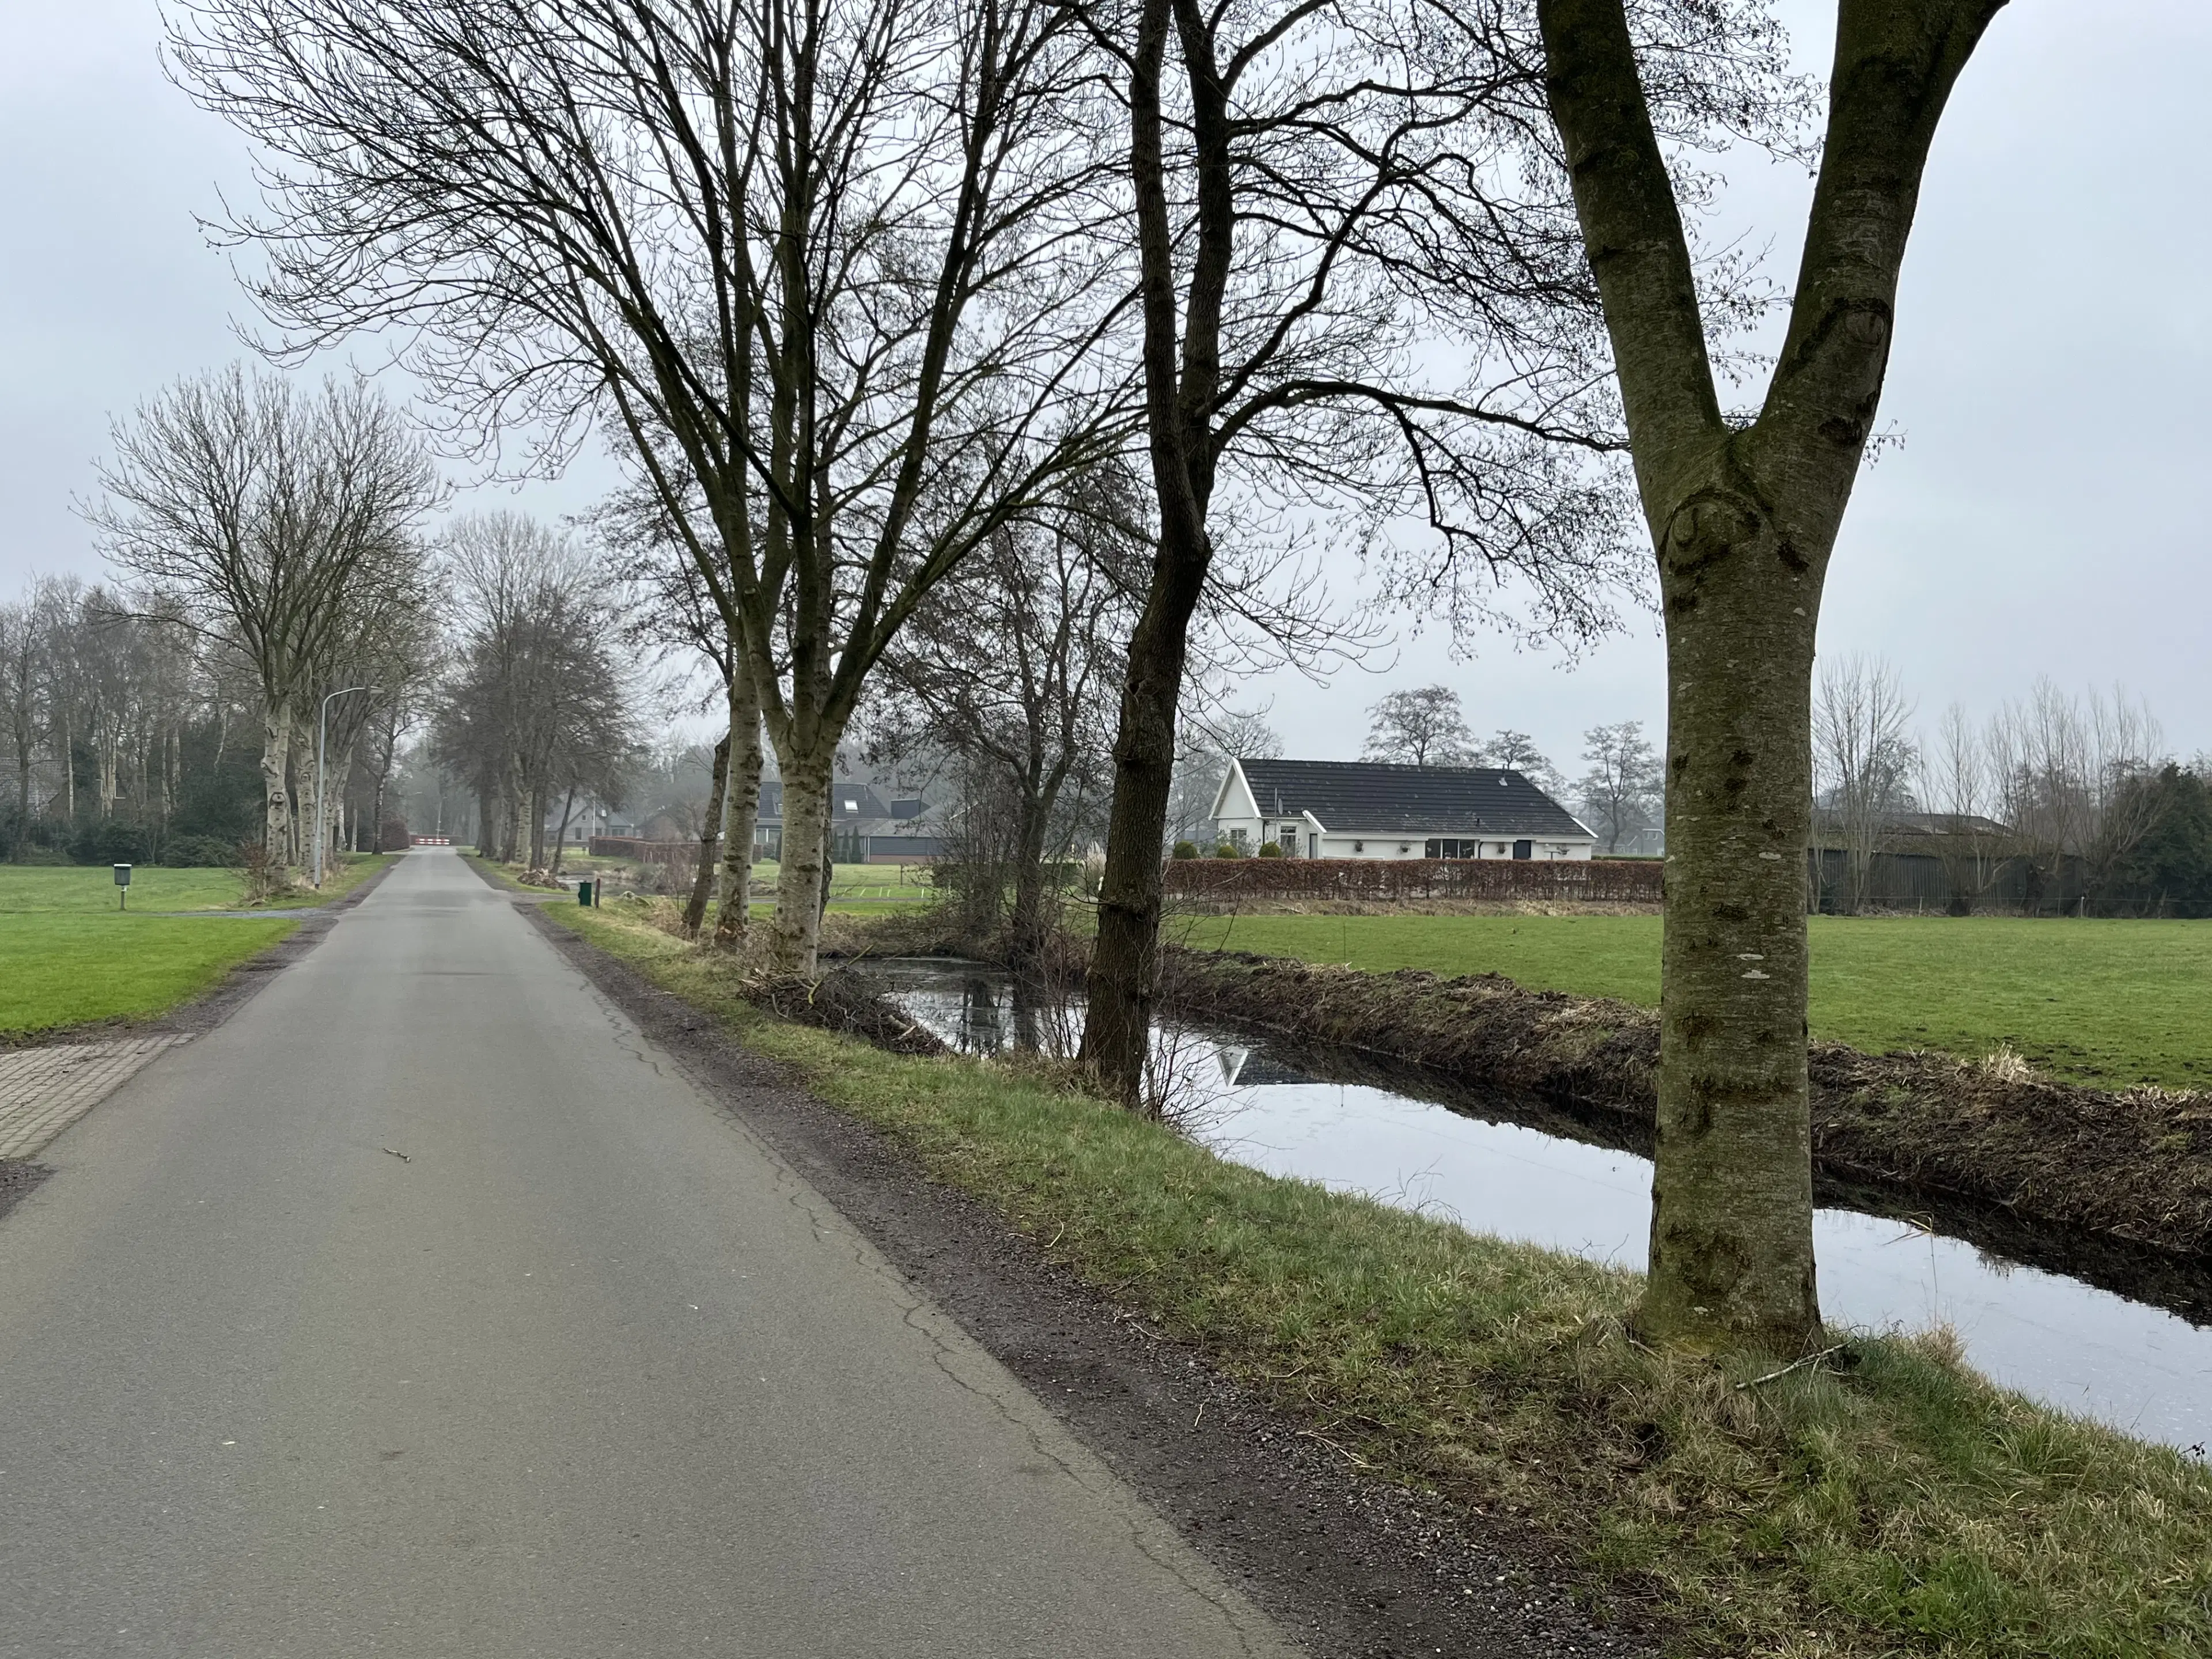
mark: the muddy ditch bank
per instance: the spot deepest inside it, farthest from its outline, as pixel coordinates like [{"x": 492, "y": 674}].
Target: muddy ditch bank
[{"x": 2135, "y": 1166}]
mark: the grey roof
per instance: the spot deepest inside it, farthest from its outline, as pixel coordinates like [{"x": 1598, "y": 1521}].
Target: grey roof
[{"x": 1350, "y": 796}]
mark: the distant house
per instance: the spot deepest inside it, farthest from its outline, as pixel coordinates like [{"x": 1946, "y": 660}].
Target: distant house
[
  {"x": 865, "y": 828},
  {"x": 1369, "y": 809}
]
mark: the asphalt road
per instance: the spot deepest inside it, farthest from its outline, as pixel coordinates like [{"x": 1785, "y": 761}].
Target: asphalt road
[{"x": 589, "y": 1373}]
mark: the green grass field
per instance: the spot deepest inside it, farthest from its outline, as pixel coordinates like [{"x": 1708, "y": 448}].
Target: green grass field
[
  {"x": 2108, "y": 1002},
  {"x": 50, "y": 888},
  {"x": 68, "y": 955},
  {"x": 57, "y": 969}
]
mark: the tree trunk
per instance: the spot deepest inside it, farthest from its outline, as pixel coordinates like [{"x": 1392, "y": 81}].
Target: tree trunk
[
  {"x": 740, "y": 812},
  {"x": 1732, "y": 1180},
  {"x": 795, "y": 931},
  {"x": 1742, "y": 521},
  {"x": 376, "y": 813},
  {"x": 275, "y": 765},
  {"x": 1125, "y": 960},
  {"x": 560, "y": 835},
  {"x": 22, "y": 795},
  {"x": 1182, "y": 378},
  {"x": 537, "y": 827},
  {"x": 710, "y": 830},
  {"x": 1030, "y": 923}
]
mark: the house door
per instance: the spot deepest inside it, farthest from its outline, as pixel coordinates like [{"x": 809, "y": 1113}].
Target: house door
[{"x": 1524, "y": 849}]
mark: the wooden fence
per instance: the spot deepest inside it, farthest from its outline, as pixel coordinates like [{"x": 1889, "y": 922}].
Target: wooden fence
[{"x": 1594, "y": 881}]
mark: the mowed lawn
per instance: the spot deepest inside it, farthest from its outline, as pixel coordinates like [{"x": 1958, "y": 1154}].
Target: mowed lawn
[
  {"x": 69, "y": 956},
  {"x": 59, "y": 968},
  {"x": 38, "y": 889},
  {"x": 72, "y": 887},
  {"x": 2108, "y": 1002}
]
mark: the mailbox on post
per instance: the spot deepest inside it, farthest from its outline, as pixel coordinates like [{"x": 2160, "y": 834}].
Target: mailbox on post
[{"x": 123, "y": 886}]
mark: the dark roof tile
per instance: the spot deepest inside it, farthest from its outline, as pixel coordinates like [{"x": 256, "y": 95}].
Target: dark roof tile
[{"x": 1350, "y": 796}]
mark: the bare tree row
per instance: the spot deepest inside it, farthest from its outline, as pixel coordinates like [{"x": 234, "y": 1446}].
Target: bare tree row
[
  {"x": 279, "y": 528},
  {"x": 860, "y": 284},
  {"x": 2050, "y": 778}
]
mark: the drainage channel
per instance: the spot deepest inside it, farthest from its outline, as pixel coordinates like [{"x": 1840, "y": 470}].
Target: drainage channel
[{"x": 2056, "y": 1339}]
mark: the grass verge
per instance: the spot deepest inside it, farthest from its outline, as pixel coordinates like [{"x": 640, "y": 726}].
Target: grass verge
[
  {"x": 71, "y": 969},
  {"x": 1899, "y": 1505},
  {"x": 2109, "y": 1002},
  {"x": 338, "y": 879}
]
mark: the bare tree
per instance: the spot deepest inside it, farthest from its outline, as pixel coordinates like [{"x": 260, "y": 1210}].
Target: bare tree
[
  {"x": 1863, "y": 761},
  {"x": 1516, "y": 751},
  {"x": 1425, "y": 727},
  {"x": 538, "y": 704},
  {"x": 1329, "y": 208},
  {"x": 1623, "y": 790},
  {"x": 676, "y": 611},
  {"x": 274, "y": 519},
  {"x": 23, "y": 705},
  {"x": 1011, "y": 667},
  {"x": 2063, "y": 772},
  {"x": 1955, "y": 784},
  {"x": 829, "y": 269},
  {"x": 1743, "y": 516}
]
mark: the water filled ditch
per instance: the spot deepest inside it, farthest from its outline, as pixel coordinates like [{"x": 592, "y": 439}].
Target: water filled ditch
[{"x": 2048, "y": 1334}]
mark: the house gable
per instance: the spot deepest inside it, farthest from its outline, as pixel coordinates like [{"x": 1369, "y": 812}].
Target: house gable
[{"x": 1234, "y": 799}]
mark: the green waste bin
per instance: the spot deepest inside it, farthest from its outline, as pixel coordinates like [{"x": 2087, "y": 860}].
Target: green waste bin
[{"x": 583, "y": 892}]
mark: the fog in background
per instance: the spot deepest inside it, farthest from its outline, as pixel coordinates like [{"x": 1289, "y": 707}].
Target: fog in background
[{"x": 2046, "y": 513}]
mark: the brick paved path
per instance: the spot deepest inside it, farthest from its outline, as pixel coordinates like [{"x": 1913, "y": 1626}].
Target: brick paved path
[{"x": 44, "y": 1091}]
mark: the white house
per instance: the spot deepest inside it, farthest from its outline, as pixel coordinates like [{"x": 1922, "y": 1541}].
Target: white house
[{"x": 1369, "y": 809}]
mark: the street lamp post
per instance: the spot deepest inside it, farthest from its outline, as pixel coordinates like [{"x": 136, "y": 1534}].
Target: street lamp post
[{"x": 322, "y": 816}]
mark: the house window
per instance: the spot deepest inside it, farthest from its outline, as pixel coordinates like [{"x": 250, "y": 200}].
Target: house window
[
  {"x": 1237, "y": 835},
  {"x": 1524, "y": 849},
  {"x": 1450, "y": 847}
]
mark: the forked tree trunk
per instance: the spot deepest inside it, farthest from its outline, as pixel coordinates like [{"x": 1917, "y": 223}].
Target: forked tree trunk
[
  {"x": 740, "y": 812},
  {"x": 275, "y": 758},
  {"x": 1742, "y": 521},
  {"x": 710, "y": 830}
]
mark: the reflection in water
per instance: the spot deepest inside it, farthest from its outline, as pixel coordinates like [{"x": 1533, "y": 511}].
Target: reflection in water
[{"x": 2072, "y": 1344}]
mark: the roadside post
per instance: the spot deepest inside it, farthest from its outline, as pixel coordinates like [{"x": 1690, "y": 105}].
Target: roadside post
[{"x": 123, "y": 887}]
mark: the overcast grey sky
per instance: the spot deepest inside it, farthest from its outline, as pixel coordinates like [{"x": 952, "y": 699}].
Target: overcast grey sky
[{"x": 2047, "y": 514}]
